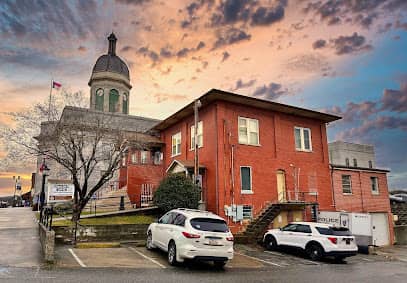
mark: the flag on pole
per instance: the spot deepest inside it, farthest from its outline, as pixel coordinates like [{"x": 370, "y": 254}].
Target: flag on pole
[{"x": 56, "y": 85}]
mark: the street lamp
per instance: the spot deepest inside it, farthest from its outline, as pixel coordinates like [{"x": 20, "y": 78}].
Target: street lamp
[
  {"x": 43, "y": 170},
  {"x": 17, "y": 186}
]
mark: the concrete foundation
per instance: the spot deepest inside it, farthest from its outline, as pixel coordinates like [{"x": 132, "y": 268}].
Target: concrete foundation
[{"x": 47, "y": 239}]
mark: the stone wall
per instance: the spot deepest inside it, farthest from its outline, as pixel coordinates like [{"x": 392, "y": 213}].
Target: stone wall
[
  {"x": 47, "y": 239},
  {"x": 100, "y": 233}
]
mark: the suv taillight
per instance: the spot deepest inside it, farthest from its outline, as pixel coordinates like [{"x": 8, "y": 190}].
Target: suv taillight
[
  {"x": 333, "y": 240},
  {"x": 190, "y": 236},
  {"x": 230, "y": 238}
]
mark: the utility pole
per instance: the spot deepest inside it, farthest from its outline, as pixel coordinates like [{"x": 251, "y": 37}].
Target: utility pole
[{"x": 197, "y": 104}]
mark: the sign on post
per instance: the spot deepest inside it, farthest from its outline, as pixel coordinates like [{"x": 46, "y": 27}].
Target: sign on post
[{"x": 60, "y": 190}]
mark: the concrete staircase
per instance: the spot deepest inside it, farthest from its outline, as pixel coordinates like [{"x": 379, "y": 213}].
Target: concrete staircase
[{"x": 256, "y": 228}]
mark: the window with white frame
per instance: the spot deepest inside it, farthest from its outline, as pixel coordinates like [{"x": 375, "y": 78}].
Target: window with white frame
[
  {"x": 302, "y": 139},
  {"x": 124, "y": 160},
  {"x": 346, "y": 184},
  {"x": 199, "y": 135},
  {"x": 176, "y": 144},
  {"x": 248, "y": 131},
  {"x": 144, "y": 157},
  {"x": 375, "y": 185},
  {"x": 246, "y": 179},
  {"x": 247, "y": 212},
  {"x": 134, "y": 157}
]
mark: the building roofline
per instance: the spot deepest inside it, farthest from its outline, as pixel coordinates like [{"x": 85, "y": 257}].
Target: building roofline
[
  {"x": 216, "y": 95},
  {"x": 348, "y": 168}
]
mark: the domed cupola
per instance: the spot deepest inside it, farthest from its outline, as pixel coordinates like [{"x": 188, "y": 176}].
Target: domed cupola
[{"x": 110, "y": 82}]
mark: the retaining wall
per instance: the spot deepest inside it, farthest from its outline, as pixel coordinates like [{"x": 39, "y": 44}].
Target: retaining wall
[
  {"x": 47, "y": 239},
  {"x": 100, "y": 233}
]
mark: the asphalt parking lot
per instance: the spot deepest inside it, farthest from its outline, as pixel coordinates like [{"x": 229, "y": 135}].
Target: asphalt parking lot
[{"x": 246, "y": 257}]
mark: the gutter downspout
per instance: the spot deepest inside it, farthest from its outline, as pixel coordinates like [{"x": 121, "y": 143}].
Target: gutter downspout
[
  {"x": 216, "y": 162},
  {"x": 332, "y": 187}
]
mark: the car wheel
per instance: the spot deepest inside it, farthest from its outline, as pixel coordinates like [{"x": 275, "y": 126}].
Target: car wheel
[
  {"x": 270, "y": 243},
  {"x": 172, "y": 253},
  {"x": 219, "y": 264},
  {"x": 315, "y": 252},
  {"x": 149, "y": 241}
]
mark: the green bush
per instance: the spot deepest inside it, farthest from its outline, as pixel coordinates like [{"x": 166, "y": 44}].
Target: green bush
[{"x": 176, "y": 191}]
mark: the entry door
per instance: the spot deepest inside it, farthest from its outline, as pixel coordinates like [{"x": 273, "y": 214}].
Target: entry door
[
  {"x": 380, "y": 229},
  {"x": 281, "y": 186}
]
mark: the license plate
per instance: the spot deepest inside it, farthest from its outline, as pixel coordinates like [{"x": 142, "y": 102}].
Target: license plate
[
  {"x": 213, "y": 243},
  {"x": 348, "y": 241}
]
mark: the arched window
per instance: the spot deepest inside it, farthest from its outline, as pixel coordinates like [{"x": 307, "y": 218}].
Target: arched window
[
  {"x": 347, "y": 162},
  {"x": 100, "y": 99},
  {"x": 355, "y": 162},
  {"x": 125, "y": 103},
  {"x": 113, "y": 100},
  {"x": 370, "y": 164}
]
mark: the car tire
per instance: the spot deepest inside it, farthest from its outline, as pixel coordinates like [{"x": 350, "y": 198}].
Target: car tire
[
  {"x": 172, "y": 253},
  {"x": 315, "y": 251},
  {"x": 270, "y": 243},
  {"x": 219, "y": 264},
  {"x": 149, "y": 241}
]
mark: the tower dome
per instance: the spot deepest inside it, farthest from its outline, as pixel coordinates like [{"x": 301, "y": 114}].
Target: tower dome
[{"x": 110, "y": 82}]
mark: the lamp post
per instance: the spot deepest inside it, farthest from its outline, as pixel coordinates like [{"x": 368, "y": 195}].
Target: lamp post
[
  {"x": 43, "y": 170},
  {"x": 197, "y": 104},
  {"x": 17, "y": 186}
]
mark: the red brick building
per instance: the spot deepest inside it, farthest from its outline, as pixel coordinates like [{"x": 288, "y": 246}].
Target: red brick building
[
  {"x": 251, "y": 152},
  {"x": 358, "y": 186}
]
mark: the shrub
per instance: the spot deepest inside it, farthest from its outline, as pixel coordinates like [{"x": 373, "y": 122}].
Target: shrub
[{"x": 176, "y": 191}]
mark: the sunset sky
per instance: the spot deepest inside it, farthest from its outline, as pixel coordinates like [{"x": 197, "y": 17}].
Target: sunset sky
[{"x": 345, "y": 57}]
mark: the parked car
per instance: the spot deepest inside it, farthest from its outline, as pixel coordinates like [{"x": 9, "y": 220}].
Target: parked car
[
  {"x": 402, "y": 196},
  {"x": 316, "y": 239},
  {"x": 396, "y": 199},
  {"x": 192, "y": 234}
]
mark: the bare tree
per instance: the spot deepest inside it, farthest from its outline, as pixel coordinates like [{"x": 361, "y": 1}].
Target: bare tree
[
  {"x": 26, "y": 124},
  {"x": 85, "y": 148}
]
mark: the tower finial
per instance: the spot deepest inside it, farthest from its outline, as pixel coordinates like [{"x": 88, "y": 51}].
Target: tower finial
[{"x": 112, "y": 44}]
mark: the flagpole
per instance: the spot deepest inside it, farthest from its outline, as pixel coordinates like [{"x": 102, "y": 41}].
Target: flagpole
[{"x": 49, "y": 101}]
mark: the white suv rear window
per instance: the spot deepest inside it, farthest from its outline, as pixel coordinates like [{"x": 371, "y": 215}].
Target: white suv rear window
[
  {"x": 209, "y": 224},
  {"x": 334, "y": 231}
]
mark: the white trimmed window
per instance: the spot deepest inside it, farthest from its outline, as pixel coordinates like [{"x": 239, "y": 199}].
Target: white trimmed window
[
  {"x": 248, "y": 131},
  {"x": 346, "y": 184},
  {"x": 144, "y": 157},
  {"x": 247, "y": 212},
  {"x": 124, "y": 160},
  {"x": 375, "y": 185},
  {"x": 134, "y": 157},
  {"x": 246, "y": 179},
  {"x": 176, "y": 144},
  {"x": 200, "y": 135},
  {"x": 302, "y": 139}
]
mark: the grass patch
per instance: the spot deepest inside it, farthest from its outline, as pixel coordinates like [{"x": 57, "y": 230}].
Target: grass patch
[{"x": 111, "y": 220}]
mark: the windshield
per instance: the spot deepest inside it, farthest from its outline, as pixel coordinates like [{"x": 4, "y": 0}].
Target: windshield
[{"x": 209, "y": 224}]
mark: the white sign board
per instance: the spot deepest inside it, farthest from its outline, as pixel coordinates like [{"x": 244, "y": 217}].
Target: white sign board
[
  {"x": 331, "y": 218},
  {"x": 60, "y": 191}
]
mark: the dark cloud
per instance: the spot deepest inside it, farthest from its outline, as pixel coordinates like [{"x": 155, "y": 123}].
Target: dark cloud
[
  {"x": 266, "y": 16},
  {"x": 230, "y": 36},
  {"x": 200, "y": 45},
  {"x": 30, "y": 58},
  {"x": 132, "y": 2},
  {"x": 166, "y": 52},
  {"x": 378, "y": 124},
  {"x": 320, "y": 43},
  {"x": 240, "y": 84},
  {"x": 146, "y": 52},
  {"x": 192, "y": 10},
  {"x": 395, "y": 100},
  {"x": 270, "y": 92},
  {"x": 400, "y": 25},
  {"x": 349, "y": 44},
  {"x": 225, "y": 56},
  {"x": 356, "y": 111},
  {"x": 361, "y": 12},
  {"x": 126, "y": 48},
  {"x": 183, "y": 52}
]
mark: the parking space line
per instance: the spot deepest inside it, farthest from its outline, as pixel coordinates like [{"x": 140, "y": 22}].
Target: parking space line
[
  {"x": 261, "y": 260},
  {"x": 78, "y": 260},
  {"x": 147, "y": 257},
  {"x": 301, "y": 259},
  {"x": 365, "y": 259}
]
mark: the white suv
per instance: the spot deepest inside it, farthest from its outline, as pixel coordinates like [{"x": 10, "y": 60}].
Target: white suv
[
  {"x": 316, "y": 239},
  {"x": 192, "y": 234}
]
